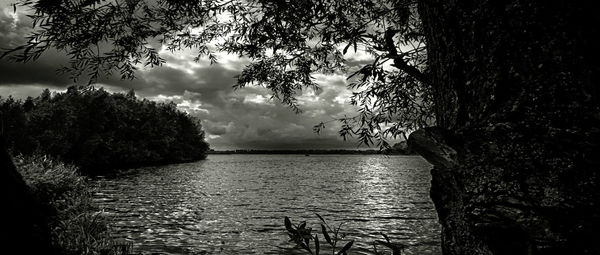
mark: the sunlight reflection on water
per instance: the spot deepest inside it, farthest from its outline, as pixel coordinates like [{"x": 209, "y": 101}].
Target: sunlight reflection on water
[{"x": 235, "y": 204}]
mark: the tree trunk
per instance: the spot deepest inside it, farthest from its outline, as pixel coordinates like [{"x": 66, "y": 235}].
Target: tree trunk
[{"x": 517, "y": 152}]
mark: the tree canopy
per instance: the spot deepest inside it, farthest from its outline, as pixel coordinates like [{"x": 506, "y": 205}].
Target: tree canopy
[
  {"x": 287, "y": 42},
  {"x": 99, "y": 131}
]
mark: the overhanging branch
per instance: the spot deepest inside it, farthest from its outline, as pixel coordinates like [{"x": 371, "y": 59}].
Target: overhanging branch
[{"x": 399, "y": 61}]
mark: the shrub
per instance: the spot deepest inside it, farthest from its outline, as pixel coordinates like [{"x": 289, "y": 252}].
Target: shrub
[{"x": 66, "y": 200}]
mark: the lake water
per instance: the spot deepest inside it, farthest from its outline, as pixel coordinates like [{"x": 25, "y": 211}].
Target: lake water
[{"x": 235, "y": 204}]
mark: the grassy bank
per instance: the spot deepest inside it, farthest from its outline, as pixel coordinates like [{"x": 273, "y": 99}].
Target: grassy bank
[{"x": 65, "y": 199}]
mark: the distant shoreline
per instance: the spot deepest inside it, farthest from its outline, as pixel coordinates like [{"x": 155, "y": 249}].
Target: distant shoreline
[{"x": 307, "y": 152}]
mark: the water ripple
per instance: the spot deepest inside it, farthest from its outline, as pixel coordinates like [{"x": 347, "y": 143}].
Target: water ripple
[{"x": 235, "y": 204}]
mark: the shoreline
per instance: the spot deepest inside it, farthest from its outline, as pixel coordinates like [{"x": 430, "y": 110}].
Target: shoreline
[{"x": 309, "y": 152}]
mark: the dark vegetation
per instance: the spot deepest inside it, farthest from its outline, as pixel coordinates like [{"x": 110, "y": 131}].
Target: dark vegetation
[
  {"x": 64, "y": 199},
  {"x": 99, "y": 131},
  {"x": 332, "y": 240}
]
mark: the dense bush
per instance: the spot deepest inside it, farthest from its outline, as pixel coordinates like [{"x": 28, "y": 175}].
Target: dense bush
[
  {"x": 66, "y": 201},
  {"x": 98, "y": 131}
]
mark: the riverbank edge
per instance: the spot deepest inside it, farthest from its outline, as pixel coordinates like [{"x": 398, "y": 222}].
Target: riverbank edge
[
  {"x": 115, "y": 170},
  {"x": 62, "y": 198}
]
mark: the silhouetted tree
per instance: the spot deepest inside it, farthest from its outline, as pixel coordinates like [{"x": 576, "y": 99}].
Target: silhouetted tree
[{"x": 100, "y": 131}]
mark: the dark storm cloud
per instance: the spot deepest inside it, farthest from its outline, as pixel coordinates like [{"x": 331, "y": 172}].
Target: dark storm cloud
[
  {"x": 214, "y": 128},
  {"x": 42, "y": 71},
  {"x": 243, "y": 118},
  {"x": 209, "y": 83}
]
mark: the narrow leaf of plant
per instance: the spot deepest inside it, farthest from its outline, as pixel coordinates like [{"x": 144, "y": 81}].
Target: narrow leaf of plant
[
  {"x": 317, "y": 245},
  {"x": 302, "y": 225},
  {"x": 321, "y": 218},
  {"x": 288, "y": 225},
  {"x": 346, "y": 48},
  {"x": 327, "y": 238},
  {"x": 305, "y": 247},
  {"x": 346, "y": 248},
  {"x": 386, "y": 237}
]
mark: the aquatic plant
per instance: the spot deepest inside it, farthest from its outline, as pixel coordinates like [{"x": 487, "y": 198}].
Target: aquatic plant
[{"x": 302, "y": 236}]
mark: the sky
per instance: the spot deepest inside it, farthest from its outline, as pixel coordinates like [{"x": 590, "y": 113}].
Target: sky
[{"x": 245, "y": 118}]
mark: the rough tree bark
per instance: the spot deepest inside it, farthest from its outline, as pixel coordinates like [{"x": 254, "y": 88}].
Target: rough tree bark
[{"x": 516, "y": 152}]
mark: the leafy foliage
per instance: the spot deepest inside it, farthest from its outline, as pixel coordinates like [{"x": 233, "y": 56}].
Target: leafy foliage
[
  {"x": 100, "y": 131},
  {"x": 287, "y": 41},
  {"x": 66, "y": 201},
  {"x": 301, "y": 235}
]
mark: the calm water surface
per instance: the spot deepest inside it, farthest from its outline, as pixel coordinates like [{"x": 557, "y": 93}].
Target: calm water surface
[{"x": 235, "y": 204}]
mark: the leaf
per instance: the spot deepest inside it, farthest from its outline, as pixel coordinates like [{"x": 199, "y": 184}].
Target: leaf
[
  {"x": 346, "y": 248},
  {"x": 317, "y": 129},
  {"x": 346, "y": 48},
  {"x": 317, "y": 245},
  {"x": 375, "y": 249},
  {"x": 11, "y": 51},
  {"x": 288, "y": 225},
  {"x": 327, "y": 238},
  {"x": 302, "y": 225},
  {"x": 321, "y": 218},
  {"x": 386, "y": 237},
  {"x": 305, "y": 247}
]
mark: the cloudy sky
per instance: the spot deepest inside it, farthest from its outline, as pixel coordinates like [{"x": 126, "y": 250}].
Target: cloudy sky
[{"x": 233, "y": 119}]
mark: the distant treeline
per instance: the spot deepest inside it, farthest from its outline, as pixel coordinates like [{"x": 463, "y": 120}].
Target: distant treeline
[{"x": 100, "y": 131}]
